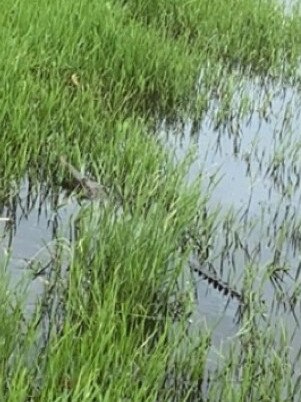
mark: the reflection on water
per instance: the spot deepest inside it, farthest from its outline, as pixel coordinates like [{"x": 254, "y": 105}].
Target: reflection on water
[
  {"x": 39, "y": 223},
  {"x": 251, "y": 168}
]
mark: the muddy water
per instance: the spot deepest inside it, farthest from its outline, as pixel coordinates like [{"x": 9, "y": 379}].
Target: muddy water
[{"x": 251, "y": 170}]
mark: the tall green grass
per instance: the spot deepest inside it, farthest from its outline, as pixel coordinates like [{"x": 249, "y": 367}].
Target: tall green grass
[
  {"x": 115, "y": 341},
  {"x": 241, "y": 33},
  {"x": 89, "y": 79},
  {"x": 72, "y": 72}
]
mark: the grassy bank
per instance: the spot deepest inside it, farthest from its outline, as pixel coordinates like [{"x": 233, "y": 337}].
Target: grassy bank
[
  {"x": 90, "y": 80},
  {"x": 242, "y": 33}
]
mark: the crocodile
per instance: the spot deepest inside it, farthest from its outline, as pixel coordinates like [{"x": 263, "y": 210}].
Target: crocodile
[
  {"x": 222, "y": 286},
  {"x": 87, "y": 188}
]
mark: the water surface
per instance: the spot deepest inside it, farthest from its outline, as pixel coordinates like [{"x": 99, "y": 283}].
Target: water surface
[{"x": 251, "y": 169}]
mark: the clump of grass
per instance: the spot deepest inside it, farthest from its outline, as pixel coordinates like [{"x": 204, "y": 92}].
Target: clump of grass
[
  {"x": 116, "y": 340},
  {"x": 104, "y": 50},
  {"x": 72, "y": 72}
]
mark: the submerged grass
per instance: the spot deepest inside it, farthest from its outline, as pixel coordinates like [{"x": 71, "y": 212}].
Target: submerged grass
[{"x": 87, "y": 79}]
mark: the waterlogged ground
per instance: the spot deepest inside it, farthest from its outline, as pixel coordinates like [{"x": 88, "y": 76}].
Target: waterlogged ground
[{"x": 251, "y": 171}]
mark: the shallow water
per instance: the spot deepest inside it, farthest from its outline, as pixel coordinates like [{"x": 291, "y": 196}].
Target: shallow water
[
  {"x": 38, "y": 224},
  {"x": 250, "y": 169},
  {"x": 255, "y": 164}
]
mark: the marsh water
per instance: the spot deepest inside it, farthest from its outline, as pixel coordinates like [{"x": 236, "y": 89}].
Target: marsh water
[
  {"x": 250, "y": 167},
  {"x": 37, "y": 225}
]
